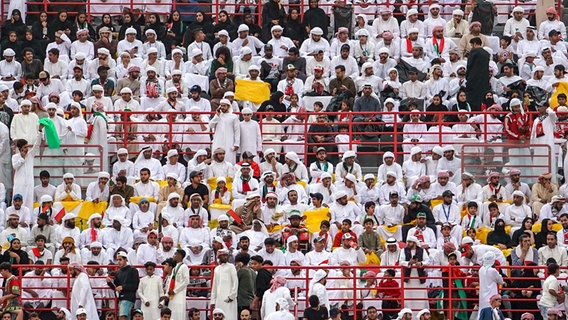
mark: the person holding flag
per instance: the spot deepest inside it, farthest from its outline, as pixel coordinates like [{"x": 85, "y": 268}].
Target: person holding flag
[{"x": 176, "y": 285}]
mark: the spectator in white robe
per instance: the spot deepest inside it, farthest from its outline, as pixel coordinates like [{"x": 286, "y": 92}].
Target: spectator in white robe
[
  {"x": 173, "y": 166},
  {"x": 150, "y": 290},
  {"x": 489, "y": 279},
  {"x": 118, "y": 235},
  {"x": 10, "y": 69},
  {"x": 551, "y": 23},
  {"x": 413, "y": 132},
  {"x": 82, "y": 44},
  {"x": 251, "y": 138},
  {"x": 82, "y": 298},
  {"x": 68, "y": 190},
  {"x": 468, "y": 190},
  {"x": 25, "y": 124},
  {"x": 388, "y": 165},
  {"x": 448, "y": 212},
  {"x": 390, "y": 217},
  {"x": 198, "y": 128},
  {"x": 226, "y": 131},
  {"x": 93, "y": 233},
  {"x": 219, "y": 167},
  {"x": 517, "y": 211},
  {"x": 145, "y": 160},
  {"x": 451, "y": 164},
  {"x": 98, "y": 191},
  {"x": 414, "y": 167},
  {"x": 414, "y": 258},
  {"x": 457, "y": 26},
  {"x": 295, "y": 127},
  {"x": 76, "y": 133},
  {"x": 23, "y": 164},
  {"x": 117, "y": 208}
]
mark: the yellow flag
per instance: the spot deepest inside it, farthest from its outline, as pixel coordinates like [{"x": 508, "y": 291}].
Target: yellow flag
[
  {"x": 562, "y": 88},
  {"x": 253, "y": 91}
]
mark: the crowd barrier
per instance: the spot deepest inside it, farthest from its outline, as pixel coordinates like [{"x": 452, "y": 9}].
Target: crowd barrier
[
  {"x": 237, "y": 9},
  {"x": 449, "y": 291}
]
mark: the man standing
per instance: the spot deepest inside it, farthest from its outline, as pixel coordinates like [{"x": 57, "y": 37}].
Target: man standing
[
  {"x": 227, "y": 131},
  {"x": 82, "y": 293},
  {"x": 125, "y": 283},
  {"x": 176, "y": 286},
  {"x": 225, "y": 286},
  {"x": 551, "y": 293},
  {"x": 489, "y": 279},
  {"x": 76, "y": 133},
  {"x": 477, "y": 75}
]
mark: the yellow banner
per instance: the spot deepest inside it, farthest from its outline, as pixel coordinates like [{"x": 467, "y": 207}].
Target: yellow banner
[
  {"x": 253, "y": 91},
  {"x": 562, "y": 88}
]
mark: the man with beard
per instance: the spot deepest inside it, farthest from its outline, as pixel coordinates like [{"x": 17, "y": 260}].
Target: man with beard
[
  {"x": 226, "y": 130},
  {"x": 413, "y": 258},
  {"x": 320, "y": 135},
  {"x": 224, "y": 232},
  {"x": 82, "y": 293},
  {"x": 246, "y": 279},
  {"x": 271, "y": 163},
  {"x": 552, "y": 22},
  {"x": 383, "y": 63},
  {"x": 94, "y": 252},
  {"x": 125, "y": 283},
  {"x": 267, "y": 185},
  {"x": 44, "y": 229},
  {"x": 35, "y": 284},
  {"x": 225, "y": 285},
  {"x": 477, "y": 77},
  {"x": 457, "y": 26},
  {"x": 145, "y": 160},
  {"x": 118, "y": 235},
  {"x": 166, "y": 250},
  {"x": 245, "y": 183},
  {"x": 439, "y": 47},
  {"x": 93, "y": 233},
  {"x": 317, "y": 84},
  {"x": 194, "y": 232}
]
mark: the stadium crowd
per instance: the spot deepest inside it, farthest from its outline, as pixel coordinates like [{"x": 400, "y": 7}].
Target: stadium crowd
[{"x": 201, "y": 182}]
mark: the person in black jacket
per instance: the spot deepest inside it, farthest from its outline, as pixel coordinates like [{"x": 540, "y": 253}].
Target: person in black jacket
[
  {"x": 316, "y": 17},
  {"x": 125, "y": 284},
  {"x": 263, "y": 278}
]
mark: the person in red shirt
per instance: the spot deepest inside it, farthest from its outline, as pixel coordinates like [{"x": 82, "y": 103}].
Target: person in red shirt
[
  {"x": 11, "y": 300},
  {"x": 248, "y": 157},
  {"x": 389, "y": 290},
  {"x": 345, "y": 228}
]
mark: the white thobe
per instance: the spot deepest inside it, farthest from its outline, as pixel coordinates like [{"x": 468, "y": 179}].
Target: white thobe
[
  {"x": 180, "y": 275},
  {"x": 425, "y": 235},
  {"x": 489, "y": 279},
  {"x": 73, "y": 195},
  {"x": 156, "y": 172},
  {"x": 225, "y": 285},
  {"x": 145, "y": 253},
  {"x": 227, "y": 134},
  {"x": 514, "y": 215},
  {"x": 150, "y": 290},
  {"x": 198, "y": 235},
  {"x": 75, "y": 136},
  {"x": 221, "y": 169},
  {"x": 384, "y": 168},
  {"x": 24, "y": 174},
  {"x": 541, "y": 154},
  {"x": 82, "y": 296},
  {"x": 25, "y": 127},
  {"x": 453, "y": 166},
  {"x": 251, "y": 138},
  {"x": 127, "y": 166},
  {"x": 95, "y": 192},
  {"x": 114, "y": 239},
  {"x": 355, "y": 257}
]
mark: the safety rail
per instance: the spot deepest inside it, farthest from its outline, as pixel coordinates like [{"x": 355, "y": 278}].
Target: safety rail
[
  {"x": 351, "y": 288},
  {"x": 83, "y": 161},
  {"x": 371, "y": 137},
  {"x": 235, "y": 9}
]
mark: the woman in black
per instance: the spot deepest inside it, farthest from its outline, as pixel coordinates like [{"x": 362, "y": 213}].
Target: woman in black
[
  {"x": 204, "y": 22},
  {"x": 315, "y": 311},
  {"x": 38, "y": 46},
  {"x": 499, "y": 236},
  {"x": 435, "y": 106},
  {"x": 175, "y": 28},
  {"x": 15, "y": 24},
  {"x": 461, "y": 104},
  {"x": 540, "y": 237},
  {"x": 13, "y": 42},
  {"x": 40, "y": 28},
  {"x": 106, "y": 22},
  {"x": 524, "y": 292},
  {"x": 15, "y": 255},
  {"x": 293, "y": 28},
  {"x": 526, "y": 228},
  {"x": 155, "y": 24},
  {"x": 80, "y": 24},
  {"x": 273, "y": 13},
  {"x": 129, "y": 22},
  {"x": 224, "y": 23},
  {"x": 60, "y": 23},
  {"x": 275, "y": 102}
]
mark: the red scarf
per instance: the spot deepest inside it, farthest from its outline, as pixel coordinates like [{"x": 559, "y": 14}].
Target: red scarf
[
  {"x": 408, "y": 45},
  {"x": 418, "y": 234},
  {"x": 246, "y": 186},
  {"x": 93, "y": 234},
  {"x": 439, "y": 47}
]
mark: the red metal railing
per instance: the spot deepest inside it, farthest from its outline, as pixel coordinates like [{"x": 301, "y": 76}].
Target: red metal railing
[
  {"x": 348, "y": 289},
  {"x": 370, "y": 138}
]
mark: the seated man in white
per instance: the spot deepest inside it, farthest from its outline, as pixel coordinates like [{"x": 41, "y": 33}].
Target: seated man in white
[
  {"x": 517, "y": 211},
  {"x": 390, "y": 218},
  {"x": 388, "y": 165},
  {"x": 414, "y": 167},
  {"x": 343, "y": 209},
  {"x": 448, "y": 212},
  {"x": 425, "y": 235}
]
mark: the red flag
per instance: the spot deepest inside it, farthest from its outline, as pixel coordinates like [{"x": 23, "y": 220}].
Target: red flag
[
  {"x": 44, "y": 208},
  {"x": 36, "y": 252},
  {"x": 60, "y": 215},
  {"x": 235, "y": 216}
]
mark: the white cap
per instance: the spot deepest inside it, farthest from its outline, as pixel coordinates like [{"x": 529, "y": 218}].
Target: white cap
[
  {"x": 515, "y": 102},
  {"x": 415, "y": 150},
  {"x": 276, "y": 27},
  {"x": 46, "y": 198},
  {"x": 68, "y": 175},
  {"x": 368, "y": 176},
  {"x": 172, "y": 175},
  {"x": 411, "y": 12},
  {"x": 243, "y": 27},
  {"x": 253, "y": 67},
  {"x": 81, "y": 311},
  {"x": 195, "y": 52},
  {"x": 317, "y": 31},
  {"x": 413, "y": 30},
  {"x": 247, "y": 111},
  {"x": 152, "y": 50},
  {"x": 176, "y": 50},
  {"x": 97, "y": 87},
  {"x": 458, "y": 12},
  {"x": 348, "y": 154},
  {"x": 148, "y": 31},
  {"x": 122, "y": 254},
  {"x": 9, "y": 53},
  {"x": 131, "y": 31},
  {"x": 467, "y": 240},
  {"x": 384, "y": 50},
  {"x": 122, "y": 150},
  {"x": 225, "y": 101},
  {"x": 104, "y": 50},
  {"x": 125, "y": 90},
  {"x": 223, "y": 33},
  {"x": 103, "y": 174},
  {"x": 518, "y": 9},
  {"x": 150, "y": 68},
  {"x": 339, "y": 194},
  {"x": 170, "y": 90},
  {"x": 351, "y": 177}
]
